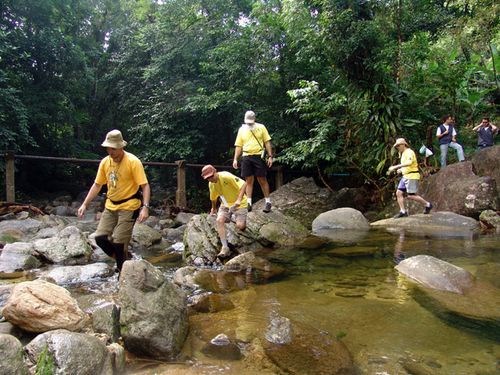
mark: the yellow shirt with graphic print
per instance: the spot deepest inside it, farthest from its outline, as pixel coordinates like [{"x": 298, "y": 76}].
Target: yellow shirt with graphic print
[
  {"x": 123, "y": 180},
  {"x": 252, "y": 144},
  {"x": 411, "y": 172},
  {"x": 227, "y": 188}
]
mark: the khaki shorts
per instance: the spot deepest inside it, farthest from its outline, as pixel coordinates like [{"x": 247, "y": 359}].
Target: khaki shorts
[
  {"x": 117, "y": 224},
  {"x": 240, "y": 215}
]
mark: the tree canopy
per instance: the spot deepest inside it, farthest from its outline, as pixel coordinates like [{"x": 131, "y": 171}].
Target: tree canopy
[{"x": 335, "y": 81}]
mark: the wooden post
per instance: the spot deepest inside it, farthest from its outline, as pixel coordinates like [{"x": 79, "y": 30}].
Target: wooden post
[
  {"x": 180, "y": 194},
  {"x": 279, "y": 177},
  {"x": 10, "y": 189}
]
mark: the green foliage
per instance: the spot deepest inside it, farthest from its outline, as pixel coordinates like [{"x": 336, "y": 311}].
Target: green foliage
[
  {"x": 334, "y": 81},
  {"x": 45, "y": 364}
]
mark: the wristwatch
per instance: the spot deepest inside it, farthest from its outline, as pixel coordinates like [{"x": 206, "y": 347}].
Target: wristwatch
[{"x": 145, "y": 205}]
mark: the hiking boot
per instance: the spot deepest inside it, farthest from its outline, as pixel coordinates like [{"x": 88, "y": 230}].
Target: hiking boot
[
  {"x": 249, "y": 207},
  {"x": 267, "y": 207},
  {"x": 400, "y": 214},
  {"x": 224, "y": 252},
  {"x": 428, "y": 209}
]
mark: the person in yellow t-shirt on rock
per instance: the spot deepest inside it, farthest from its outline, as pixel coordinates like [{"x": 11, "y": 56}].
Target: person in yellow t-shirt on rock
[
  {"x": 408, "y": 167},
  {"x": 251, "y": 142},
  {"x": 124, "y": 176},
  {"x": 230, "y": 189}
]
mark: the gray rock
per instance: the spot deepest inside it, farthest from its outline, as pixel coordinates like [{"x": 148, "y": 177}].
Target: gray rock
[
  {"x": 439, "y": 224},
  {"x": 117, "y": 358},
  {"x": 144, "y": 236},
  {"x": 72, "y": 353},
  {"x": 436, "y": 274},
  {"x": 153, "y": 317},
  {"x": 279, "y": 330},
  {"x": 486, "y": 163},
  {"x": 79, "y": 274},
  {"x": 471, "y": 193},
  {"x": 11, "y": 352},
  {"x": 20, "y": 230},
  {"x": 183, "y": 218},
  {"x": 18, "y": 256},
  {"x": 106, "y": 319},
  {"x": 340, "y": 218},
  {"x": 221, "y": 347},
  {"x": 69, "y": 247}
]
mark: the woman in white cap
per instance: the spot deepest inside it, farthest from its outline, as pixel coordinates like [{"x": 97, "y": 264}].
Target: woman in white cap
[
  {"x": 125, "y": 178},
  {"x": 408, "y": 167}
]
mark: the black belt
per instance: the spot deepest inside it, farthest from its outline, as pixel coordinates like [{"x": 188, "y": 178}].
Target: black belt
[{"x": 137, "y": 195}]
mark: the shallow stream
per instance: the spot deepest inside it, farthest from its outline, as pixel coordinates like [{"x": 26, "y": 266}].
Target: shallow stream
[{"x": 351, "y": 291}]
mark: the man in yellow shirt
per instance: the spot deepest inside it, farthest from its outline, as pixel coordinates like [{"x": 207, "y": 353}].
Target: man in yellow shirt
[
  {"x": 231, "y": 191},
  {"x": 124, "y": 176},
  {"x": 409, "y": 182},
  {"x": 251, "y": 142}
]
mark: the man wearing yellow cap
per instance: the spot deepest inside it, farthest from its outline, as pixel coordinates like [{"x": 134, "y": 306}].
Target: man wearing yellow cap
[
  {"x": 230, "y": 189},
  {"x": 408, "y": 167},
  {"x": 124, "y": 176}
]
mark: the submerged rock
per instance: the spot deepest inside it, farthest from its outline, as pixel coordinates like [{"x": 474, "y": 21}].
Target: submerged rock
[
  {"x": 436, "y": 274},
  {"x": 221, "y": 347},
  {"x": 279, "y": 330}
]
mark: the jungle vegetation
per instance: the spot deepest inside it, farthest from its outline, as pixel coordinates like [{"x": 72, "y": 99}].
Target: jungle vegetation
[{"x": 335, "y": 81}]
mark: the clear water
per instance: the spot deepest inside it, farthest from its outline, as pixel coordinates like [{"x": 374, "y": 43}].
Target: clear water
[{"x": 358, "y": 298}]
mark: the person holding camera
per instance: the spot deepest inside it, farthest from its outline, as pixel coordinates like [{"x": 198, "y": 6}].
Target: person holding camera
[
  {"x": 486, "y": 132},
  {"x": 251, "y": 143}
]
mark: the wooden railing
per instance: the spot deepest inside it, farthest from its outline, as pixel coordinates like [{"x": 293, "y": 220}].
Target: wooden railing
[{"x": 181, "y": 165}]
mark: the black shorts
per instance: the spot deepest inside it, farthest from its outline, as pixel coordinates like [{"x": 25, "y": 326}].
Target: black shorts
[{"x": 253, "y": 165}]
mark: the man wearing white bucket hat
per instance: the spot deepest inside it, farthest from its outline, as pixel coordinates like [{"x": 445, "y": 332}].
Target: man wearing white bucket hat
[
  {"x": 125, "y": 178},
  {"x": 251, "y": 142},
  {"x": 408, "y": 167}
]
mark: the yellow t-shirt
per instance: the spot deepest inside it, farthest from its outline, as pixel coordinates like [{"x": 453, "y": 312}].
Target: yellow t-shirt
[
  {"x": 227, "y": 188},
  {"x": 411, "y": 172},
  {"x": 248, "y": 142},
  {"x": 123, "y": 181}
]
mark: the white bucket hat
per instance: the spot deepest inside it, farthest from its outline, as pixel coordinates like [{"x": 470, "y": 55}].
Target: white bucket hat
[
  {"x": 249, "y": 117},
  {"x": 114, "y": 139}
]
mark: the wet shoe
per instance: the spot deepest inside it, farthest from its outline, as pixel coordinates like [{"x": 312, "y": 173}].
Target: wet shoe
[
  {"x": 224, "y": 252},
  {"x": 427, "y": 210},
  {"x": 267, "y": 207},
  {"x": 249, "y": 208},
  {"x": 400, "y": 214}
]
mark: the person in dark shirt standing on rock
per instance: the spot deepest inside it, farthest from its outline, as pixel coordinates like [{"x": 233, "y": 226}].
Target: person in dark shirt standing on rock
[
  {"x": 447, "y": 136},
  {"x": 124, "y": 176},
  {"x": 486, "y": 132}
]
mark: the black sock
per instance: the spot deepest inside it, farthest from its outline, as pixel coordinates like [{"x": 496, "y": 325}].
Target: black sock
[{"x": 106, "y": 245}]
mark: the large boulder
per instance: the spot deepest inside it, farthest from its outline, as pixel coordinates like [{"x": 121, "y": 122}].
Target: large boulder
[
  {"x": 70, "y": 246},
  {"x": 458, "y": 189},
  {"x": 40, "y": 306},
  {"x": 340, "y": 218},
  {"x": 439, "y": 224},
  {"x": 303, "y": 200},
  {"x": 486, "y": 163},
  {"x": 70, "y": 353},
  {"x": 153, "y": 317},
  {"x": 263, "y": 230},
  {"x": 11, "y": 352},
  {"x": 436, "y": 274}
]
